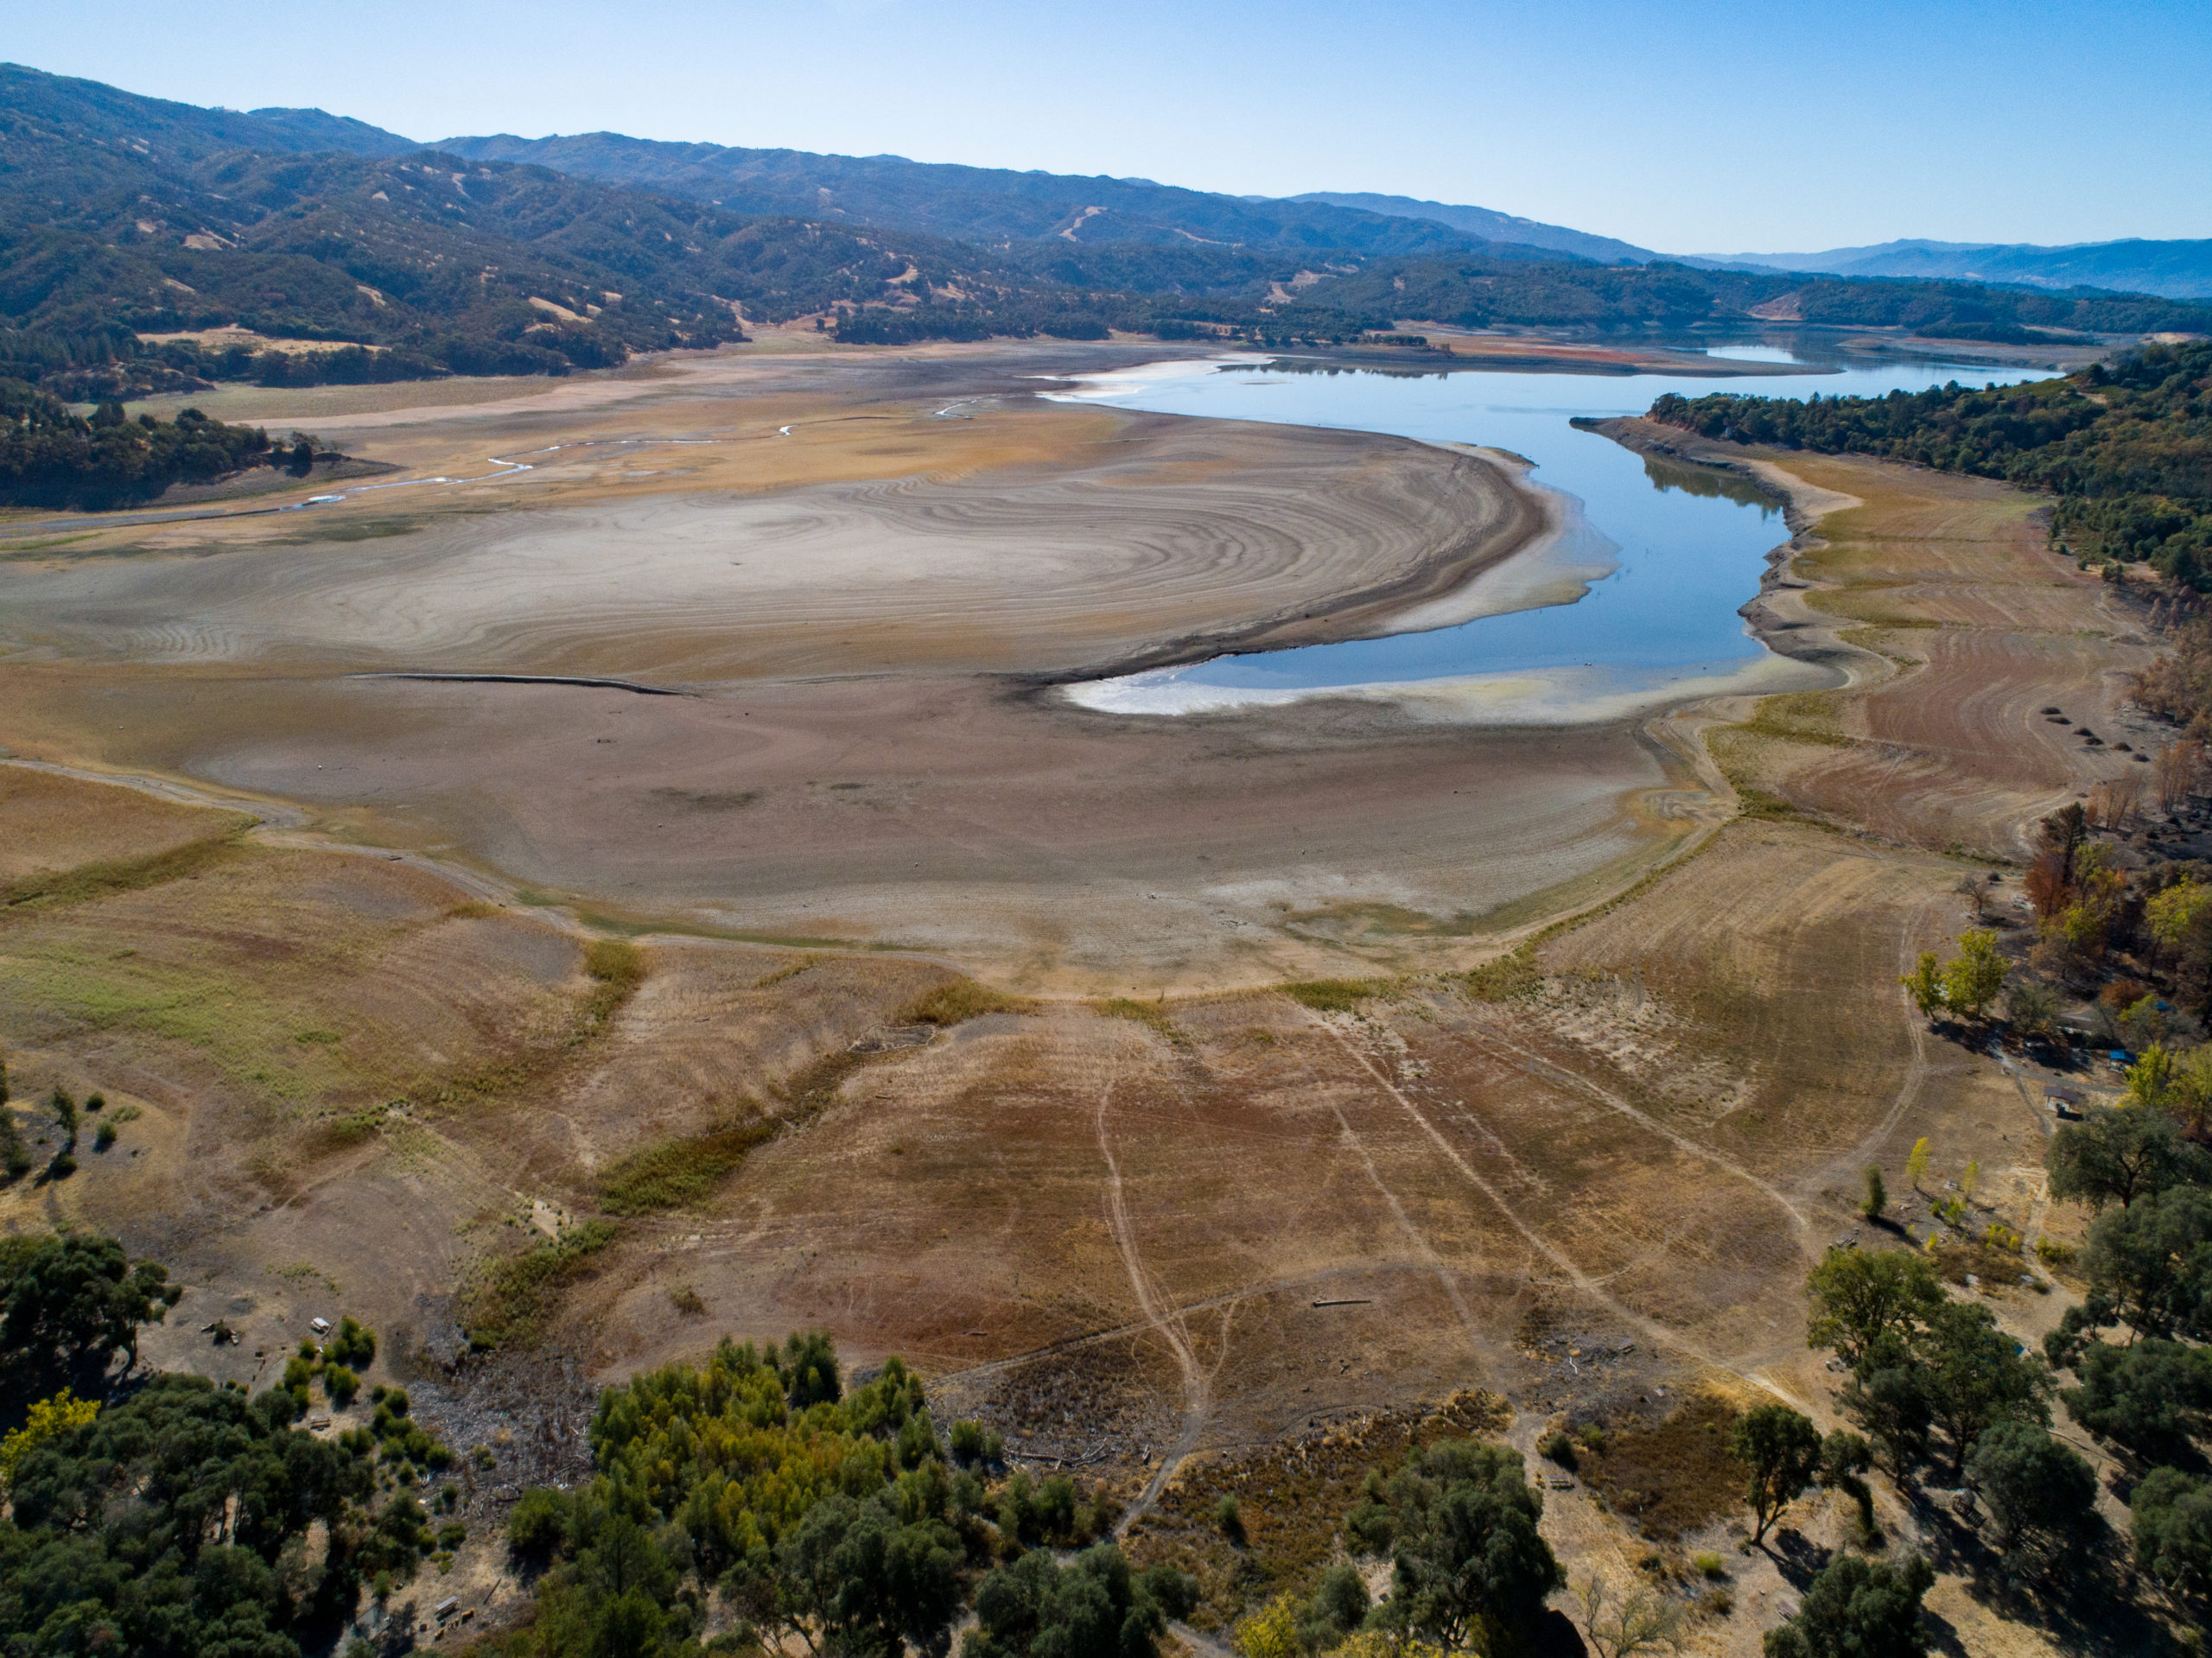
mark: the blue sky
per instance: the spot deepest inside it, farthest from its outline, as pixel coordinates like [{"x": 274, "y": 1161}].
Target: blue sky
[{"x": 1691, "y": 128}]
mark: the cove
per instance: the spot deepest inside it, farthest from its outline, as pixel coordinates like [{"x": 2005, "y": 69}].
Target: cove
[{"x": 1635, "y": 601}]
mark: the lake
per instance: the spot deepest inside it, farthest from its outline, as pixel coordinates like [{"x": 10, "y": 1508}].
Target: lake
[{"x": 1635, "y": 603}]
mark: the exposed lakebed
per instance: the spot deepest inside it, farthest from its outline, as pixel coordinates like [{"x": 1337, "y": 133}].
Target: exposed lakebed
[{"x": 1633, "y": 602}]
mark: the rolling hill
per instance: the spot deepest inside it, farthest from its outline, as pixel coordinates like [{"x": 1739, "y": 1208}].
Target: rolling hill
[
  {"x": 2177, "y": 269},
  {"x": 1492, "y": 226},
  {"x": 131, "y": 229}
]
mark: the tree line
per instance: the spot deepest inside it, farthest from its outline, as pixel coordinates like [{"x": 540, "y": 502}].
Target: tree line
[
  {"x": 2126, "y": 448},
  {"x": 166, "y": 1516},
  {"x": 52, "y": 458}
]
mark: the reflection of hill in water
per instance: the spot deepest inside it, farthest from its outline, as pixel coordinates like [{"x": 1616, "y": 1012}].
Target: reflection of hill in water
[{"x": 1711, "y": 483}]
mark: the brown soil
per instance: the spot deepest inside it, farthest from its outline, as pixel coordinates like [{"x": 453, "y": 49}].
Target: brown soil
[{"x": 1184, "y": 1253}]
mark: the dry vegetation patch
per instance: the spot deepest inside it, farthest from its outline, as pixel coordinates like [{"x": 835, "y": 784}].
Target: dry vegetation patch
[
  {"x": 64, "y": 837},
  {"x": 1671, "y": 1477},
  {"x": 958, "y": 1000},
  {"x": 1291, "y": 1499}
]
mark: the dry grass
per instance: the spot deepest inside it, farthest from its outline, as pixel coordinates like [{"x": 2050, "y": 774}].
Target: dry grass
[
  {"x": 1151, "y": 1014},
  {"x": 1670, "y": 1478},
  {"x": 68, "y": 836},
  {"x": 957, "y": 1001}
]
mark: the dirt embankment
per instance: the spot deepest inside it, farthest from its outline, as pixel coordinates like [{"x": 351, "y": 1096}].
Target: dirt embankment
[{"x": 1958, "y": 627}]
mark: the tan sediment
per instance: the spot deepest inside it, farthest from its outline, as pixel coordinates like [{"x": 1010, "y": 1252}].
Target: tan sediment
[{"x": 1939, "y": 602}]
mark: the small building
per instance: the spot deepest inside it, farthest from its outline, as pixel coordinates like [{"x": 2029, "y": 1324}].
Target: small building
[{"x": 2062, "y": 1100}]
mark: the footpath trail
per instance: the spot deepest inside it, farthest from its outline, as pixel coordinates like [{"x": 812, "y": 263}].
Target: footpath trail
[{"x": 1158, "y": 1315}]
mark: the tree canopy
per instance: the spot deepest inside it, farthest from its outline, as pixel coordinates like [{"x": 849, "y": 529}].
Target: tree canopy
[
  {"x": 69, "y": 1304},
  {"x": 1859, "y": 1609},
  {"x": 1459, "y": 1521},
  {"x": 2127, "y": 450}
]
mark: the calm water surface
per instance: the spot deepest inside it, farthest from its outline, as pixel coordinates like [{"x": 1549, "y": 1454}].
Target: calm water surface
[{"x": 1675, "y": 551}]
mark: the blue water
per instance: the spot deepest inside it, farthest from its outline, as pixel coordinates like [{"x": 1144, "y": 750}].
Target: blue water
[{"x": 1684, "y": 563}]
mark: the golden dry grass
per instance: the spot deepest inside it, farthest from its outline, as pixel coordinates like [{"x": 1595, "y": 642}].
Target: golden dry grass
[{"x": 50, "y": 825}]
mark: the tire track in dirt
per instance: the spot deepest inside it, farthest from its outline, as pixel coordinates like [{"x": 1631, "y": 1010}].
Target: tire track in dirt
[
  {"x": 1565, "y": 1264},
  {"x": 1197, "y": 1383},
  {"x": 1915, "y": 1074},
  {"x": 1534, "y": 1064}
]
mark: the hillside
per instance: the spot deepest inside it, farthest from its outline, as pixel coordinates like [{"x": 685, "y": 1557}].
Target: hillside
[
  {"x": 1490, "y": 226},
  {"x": 1481, "y": 293},
  {"x": 2177, "y": 269},
  {"x": 130, "y": 228},
  {"x": 123, "y": 217},
  {"x": 972, "y": 203},
  {"x": 2127, "y": 450}
]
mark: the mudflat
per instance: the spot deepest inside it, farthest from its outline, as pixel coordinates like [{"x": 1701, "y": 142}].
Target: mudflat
[{"x": 864, "y": 578}]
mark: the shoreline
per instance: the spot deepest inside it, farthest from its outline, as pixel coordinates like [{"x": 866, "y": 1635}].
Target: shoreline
[{"x": 1779, "y": 616}]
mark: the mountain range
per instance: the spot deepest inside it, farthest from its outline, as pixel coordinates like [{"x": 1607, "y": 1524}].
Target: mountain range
[
  {"x": 2177, "y": 270},
  {"x": 132, "y": 229}
]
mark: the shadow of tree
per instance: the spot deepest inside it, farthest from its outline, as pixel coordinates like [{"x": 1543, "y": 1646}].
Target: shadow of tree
[{"x": 1797, "y": 1557}]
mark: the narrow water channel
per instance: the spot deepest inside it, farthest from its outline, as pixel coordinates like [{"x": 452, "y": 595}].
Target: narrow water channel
[{"x": 1636, "y": 601}]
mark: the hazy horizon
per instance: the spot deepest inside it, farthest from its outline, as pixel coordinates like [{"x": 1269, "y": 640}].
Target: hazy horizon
[{"x": 1724, "y": 129}]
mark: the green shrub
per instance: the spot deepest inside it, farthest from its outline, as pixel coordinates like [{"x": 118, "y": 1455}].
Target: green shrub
[
  {"x": 1229, "y": 1517},
  {"x": 510, "y": 1305},
  {"x": 355, "y": 1344},
  {"x": 675, "y": 1173},
  {"x": 1332, "y": 995},
  {"x": 1508, "y": 976}
]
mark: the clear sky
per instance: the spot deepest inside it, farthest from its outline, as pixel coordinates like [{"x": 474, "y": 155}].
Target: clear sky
[{"x": 1693, "y": 127}]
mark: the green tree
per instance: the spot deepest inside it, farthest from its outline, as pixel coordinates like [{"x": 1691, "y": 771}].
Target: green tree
[
  {"x": 809, "y": 1365},
  {"x": 1887, "y": 1396},
  {"x": 2039, "y": 1492},
  {"x": 1782, "y": 1450},
  {"x": 68, "y": 1305},
  {"x": 1860, "y": 1295},
  {"x": 1859, "y": 1609},
  {"x": 2032, "y": 1007},
  {"x": 1976, "y": 1376},
  {"x": 2151, "y": 1263},
  {"x": 2117, "y": 1155},
  {"x": 1845, "y": 1459},
  {"x": 1877, "y": 1195},
  {"x": 1915, "y": 1164},
  {"x": 1975, "y": 978},
  {"x": 2173, "y": 1515},
  {"x": 1468, "y": 1566},
  {"x": 1338, "y": 1606},
  {"x": 1093, "y": 1607},
  {"x": 2150, "y": 1396},
  {"x": 160, "y": 1525},
  {"x": 869, "y": 1582},
  {"x": 2170, "y": 914},
  {"x": 1924, "y": 984}
]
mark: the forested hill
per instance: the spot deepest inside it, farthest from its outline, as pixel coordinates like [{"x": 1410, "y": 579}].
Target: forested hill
[
  {"x": 1479, "y": 293},
  {"x": 1491, "y": 226},
  {"x": 2126, "y": 449},
  {"x": 131, "y": 227},
  {"x": 981, "y": 203},
  {"x": 122, "y": 216}
]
